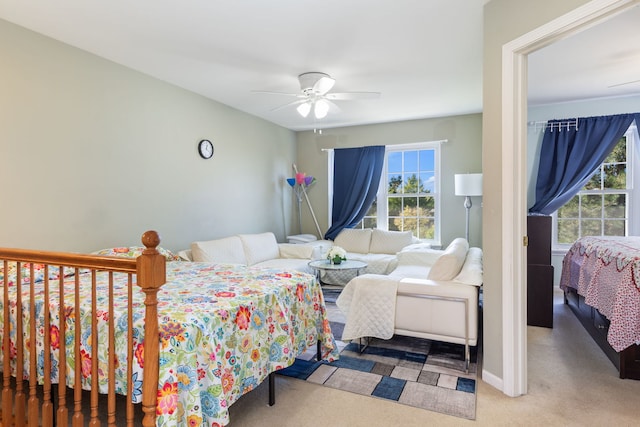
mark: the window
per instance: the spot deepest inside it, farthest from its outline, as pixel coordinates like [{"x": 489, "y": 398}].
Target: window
[
  {"x": 603, "y": 206},
  {"x": 408, "y": 195}
]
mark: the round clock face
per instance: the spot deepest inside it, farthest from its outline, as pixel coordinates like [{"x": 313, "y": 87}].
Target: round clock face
[{"x": 205, "y": 148}]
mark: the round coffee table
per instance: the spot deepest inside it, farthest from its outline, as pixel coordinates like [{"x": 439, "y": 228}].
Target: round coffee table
[{"x": 322, "y": 264}]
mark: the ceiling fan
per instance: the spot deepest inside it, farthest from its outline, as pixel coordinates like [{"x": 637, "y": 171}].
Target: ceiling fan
[{"x": 315, "y": 95}]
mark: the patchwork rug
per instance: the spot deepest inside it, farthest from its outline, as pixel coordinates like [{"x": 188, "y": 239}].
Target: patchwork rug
[{"x": 411, "y": 371}]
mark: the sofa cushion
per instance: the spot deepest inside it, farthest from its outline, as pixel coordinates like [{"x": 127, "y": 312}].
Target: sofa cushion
[
  {"x": 449, "y": 264},
  {"x": 291, "y": 250},
  {"x": 226, "y": 250},
  {"x": 259, "y": 247},
  {"x": 471, "y": 272},
  {"x": 354, "y": 240},
  {"x": 389, "y": 242},
  {"x": 424, "y": 257}
]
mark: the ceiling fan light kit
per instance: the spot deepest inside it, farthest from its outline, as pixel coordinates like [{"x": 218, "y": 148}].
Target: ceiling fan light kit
[{"x": 315, "y": 87}]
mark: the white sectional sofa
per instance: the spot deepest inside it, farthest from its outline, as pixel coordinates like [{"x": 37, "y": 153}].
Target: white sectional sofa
[
  {"x": 378, "y": 248},
  {"x": 256, "y": 250},
  {"x": 430, "y": 294}
]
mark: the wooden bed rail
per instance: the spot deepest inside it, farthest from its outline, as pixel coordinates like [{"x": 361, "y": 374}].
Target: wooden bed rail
[{"x": 149, "y": 270}]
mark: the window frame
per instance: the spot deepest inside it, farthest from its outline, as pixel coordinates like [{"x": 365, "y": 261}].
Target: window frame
[
  {"x": 382, "y": 217},
  {"x": 632, "y": 192}
]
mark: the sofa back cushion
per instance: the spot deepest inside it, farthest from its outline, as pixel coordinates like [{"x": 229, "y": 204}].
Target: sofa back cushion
[
  {"x": 449, "y": 264},
  {"x": 354, "y": 240},
  {"x": 295, "y": 251},
  {"x": 471, "y": 272},
  {"x": 389, "y": 242},
  {"x": 259, "y": 247},
  {"x": 226, "y": 250}
]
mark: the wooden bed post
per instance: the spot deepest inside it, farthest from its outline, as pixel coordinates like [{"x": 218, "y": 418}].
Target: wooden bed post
[{"x": 151, "y": 270}]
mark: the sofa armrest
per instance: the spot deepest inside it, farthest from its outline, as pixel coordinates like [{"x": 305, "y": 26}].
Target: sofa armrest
[{"x": 298, "y": 251}]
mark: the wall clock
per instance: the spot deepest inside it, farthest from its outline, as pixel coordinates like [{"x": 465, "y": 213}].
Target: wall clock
[{"x": 205, "y": 148}]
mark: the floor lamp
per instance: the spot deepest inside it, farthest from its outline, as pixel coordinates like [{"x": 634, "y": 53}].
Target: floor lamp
[{"x": 467, "y": 185}]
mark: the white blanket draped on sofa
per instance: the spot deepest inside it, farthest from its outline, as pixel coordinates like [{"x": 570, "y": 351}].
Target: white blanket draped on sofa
[{"x": 370, "y": 308}]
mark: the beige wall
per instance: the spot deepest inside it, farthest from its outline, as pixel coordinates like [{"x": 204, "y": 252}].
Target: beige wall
[
  {"x": 460, "y": 154},
  {"x": 504, "y": 21},
  {"x": 92, "y": 154}
]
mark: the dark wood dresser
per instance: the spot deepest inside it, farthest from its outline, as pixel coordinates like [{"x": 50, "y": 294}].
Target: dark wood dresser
[{"x": 539, "y": 272}]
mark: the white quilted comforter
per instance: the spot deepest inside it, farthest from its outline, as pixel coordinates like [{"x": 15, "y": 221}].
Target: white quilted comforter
[{"x": 369, "y": 304}]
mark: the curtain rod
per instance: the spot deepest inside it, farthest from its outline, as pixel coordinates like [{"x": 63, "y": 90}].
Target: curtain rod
[{"x": 557, "y": 125}]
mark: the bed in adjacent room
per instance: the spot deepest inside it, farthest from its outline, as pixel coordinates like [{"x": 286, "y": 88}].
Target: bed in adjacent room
[
  {"x": 601, "y": 282},
  {"x": 221, "y": 330}
]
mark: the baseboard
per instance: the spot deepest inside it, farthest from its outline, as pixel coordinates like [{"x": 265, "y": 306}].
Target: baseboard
[{"x": 492, "y": 380}]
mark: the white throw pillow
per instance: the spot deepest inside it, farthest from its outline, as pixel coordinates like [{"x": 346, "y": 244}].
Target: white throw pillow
[
  {"x": 354, "y": 240},
  {"x": 471, "y": 273},
  {"x": 389, "y": 242},
  {"x": 259, "y": 247},
  {"x": 448, "y": 265},
  {"x": 226, "y": 250}
]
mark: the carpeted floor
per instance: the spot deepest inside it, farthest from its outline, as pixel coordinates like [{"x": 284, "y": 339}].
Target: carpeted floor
[{"x": 411, "y": 371}]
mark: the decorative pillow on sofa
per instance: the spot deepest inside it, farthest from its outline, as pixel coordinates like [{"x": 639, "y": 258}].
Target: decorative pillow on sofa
[
  {"x": 449, "y": 264},
  {"x": 259, "y": 247},
  {"x": 226, "y": 250},
  {"x": 354, "y": 240},
  {"x": 135, "y": 252},
  {"x": 389, "y": 242}
]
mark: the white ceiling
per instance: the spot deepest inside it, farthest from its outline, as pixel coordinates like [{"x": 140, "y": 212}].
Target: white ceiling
[{"x": 424, "y": 56}]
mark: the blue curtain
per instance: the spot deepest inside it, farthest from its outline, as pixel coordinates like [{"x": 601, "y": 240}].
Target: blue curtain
[
  {"x": 356, "y": 176},
  {"x": 568, "y": 157}
]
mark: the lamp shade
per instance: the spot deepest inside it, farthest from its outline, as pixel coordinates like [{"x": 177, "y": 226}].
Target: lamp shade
[{"x": 468, "y": 184}]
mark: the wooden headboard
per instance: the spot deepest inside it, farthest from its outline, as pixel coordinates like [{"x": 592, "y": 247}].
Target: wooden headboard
[{"x": 36, "y": 406}]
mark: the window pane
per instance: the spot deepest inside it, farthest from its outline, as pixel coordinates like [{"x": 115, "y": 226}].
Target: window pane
[
  {"x": 395, "y": 184},
  {"x": 619, "y": 153},
  {"x": 427, "y": 160},
  {"x": 411, "y": 161},
  {"x": 595, "y": 182},
  {"x": 615, "y": 228},
  {"x": 427, "y": 228},
  {"x": 427, "y": 206},
  {"x": 568, "y": 231},
  {"x": 394, "y": 162},
  {"x": 591, "y": 227},
  {"x": 394, "y": 206},
  {"x": 615, "y": 176},
  {"x": 569, "y": 210},
  {"x": 370, "y": 223},
  {"x": 409, "y": 205},
  {"x": 428, "y": 182},
  {"x": 395, "y": 224},
  {"x": 591, "y": 206},
  {"x": 614, "y": 205}
]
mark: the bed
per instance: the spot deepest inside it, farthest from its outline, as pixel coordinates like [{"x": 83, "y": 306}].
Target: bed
[
  {"x": 187, "y": 342},
  {"x": 601, "y": 282}
]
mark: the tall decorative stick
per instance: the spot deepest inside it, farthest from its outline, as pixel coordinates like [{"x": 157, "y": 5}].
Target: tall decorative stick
[{"x": 313, "y": 215}]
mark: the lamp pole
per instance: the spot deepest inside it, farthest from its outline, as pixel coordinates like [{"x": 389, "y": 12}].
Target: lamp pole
[{"x": 467, "y": 206}]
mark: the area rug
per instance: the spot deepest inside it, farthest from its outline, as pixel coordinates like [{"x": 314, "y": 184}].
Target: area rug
[{"x": 411, "y": 371}]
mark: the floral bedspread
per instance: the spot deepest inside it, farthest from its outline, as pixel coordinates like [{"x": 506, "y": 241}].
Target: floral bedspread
[
  {"x": 223, "y": 329},
  {"x": 606, "y": 272}
]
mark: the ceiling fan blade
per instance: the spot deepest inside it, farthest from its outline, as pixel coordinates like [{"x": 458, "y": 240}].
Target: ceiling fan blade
[
  {"x": 622, "y": 84},
  {"x": 347, "y": 96},
  {"x": 290, "y": 104},
  {"x": 323, "y": 85},
  {"x": 297, "y": 95}
]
